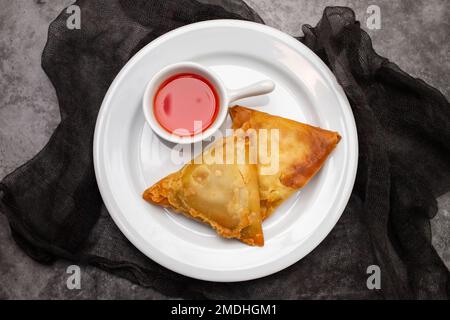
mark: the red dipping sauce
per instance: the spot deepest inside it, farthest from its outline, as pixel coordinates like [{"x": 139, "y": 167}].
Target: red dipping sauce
[{"x": 183, "y": 99}]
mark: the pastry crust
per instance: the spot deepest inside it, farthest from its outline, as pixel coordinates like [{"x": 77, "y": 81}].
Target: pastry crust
[
  {"x": 233, "y": 197},
  {"x": 225, "y": 196},
  {"x": 302, "y": 151}
]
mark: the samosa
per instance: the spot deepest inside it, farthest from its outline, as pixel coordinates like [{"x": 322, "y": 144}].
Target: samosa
[
  {"x": 216, "y": 190},
  {"x": 289, "y": 158}
]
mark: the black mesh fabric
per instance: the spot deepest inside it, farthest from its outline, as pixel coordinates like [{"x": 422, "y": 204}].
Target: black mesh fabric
[{"x": 55, "y": 210}]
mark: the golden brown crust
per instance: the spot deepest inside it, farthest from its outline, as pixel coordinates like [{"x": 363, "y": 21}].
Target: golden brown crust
[
  {"x": 225, "y": 196},
  {"x": 303, "y": 150},
  {"x": 235, "y": 198},
  {"x": 322, "y": 143}
]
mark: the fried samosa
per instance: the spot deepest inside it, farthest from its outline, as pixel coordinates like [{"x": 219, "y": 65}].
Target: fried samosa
[
  {"x": 293, "y": 154},
  {"x": 223, "y": 194}
]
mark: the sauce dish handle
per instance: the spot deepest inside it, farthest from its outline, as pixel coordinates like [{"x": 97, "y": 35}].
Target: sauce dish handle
[{"x": 255, "y": 89}]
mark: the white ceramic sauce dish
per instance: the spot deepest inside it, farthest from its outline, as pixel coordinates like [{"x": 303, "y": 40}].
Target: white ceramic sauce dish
[{"x": 226, "y": 98}]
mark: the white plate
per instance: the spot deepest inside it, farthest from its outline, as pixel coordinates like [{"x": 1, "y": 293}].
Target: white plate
[{"x": 128, "y": 157}]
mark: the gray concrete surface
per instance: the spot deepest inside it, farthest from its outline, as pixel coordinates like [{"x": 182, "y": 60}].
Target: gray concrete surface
[{"x": 414, "y": 34}]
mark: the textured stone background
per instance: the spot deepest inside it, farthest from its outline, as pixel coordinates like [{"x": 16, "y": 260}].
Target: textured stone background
[{"x": 414, "y": 34}]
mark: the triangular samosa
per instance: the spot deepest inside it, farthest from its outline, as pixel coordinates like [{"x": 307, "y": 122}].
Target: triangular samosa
[
  {"x": 223, "y": 194},
  {"x": 293, "y": 154}
]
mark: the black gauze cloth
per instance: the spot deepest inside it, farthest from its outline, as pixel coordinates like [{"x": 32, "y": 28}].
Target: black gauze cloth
[{"x": 55, "y": 210}]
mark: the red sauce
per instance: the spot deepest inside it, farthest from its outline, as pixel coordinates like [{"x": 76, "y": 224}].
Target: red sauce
[{"x": 183, "y": 99}]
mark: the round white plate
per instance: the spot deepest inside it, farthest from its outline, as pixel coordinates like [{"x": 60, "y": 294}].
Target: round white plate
[{"x": 129, "y": 157}]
